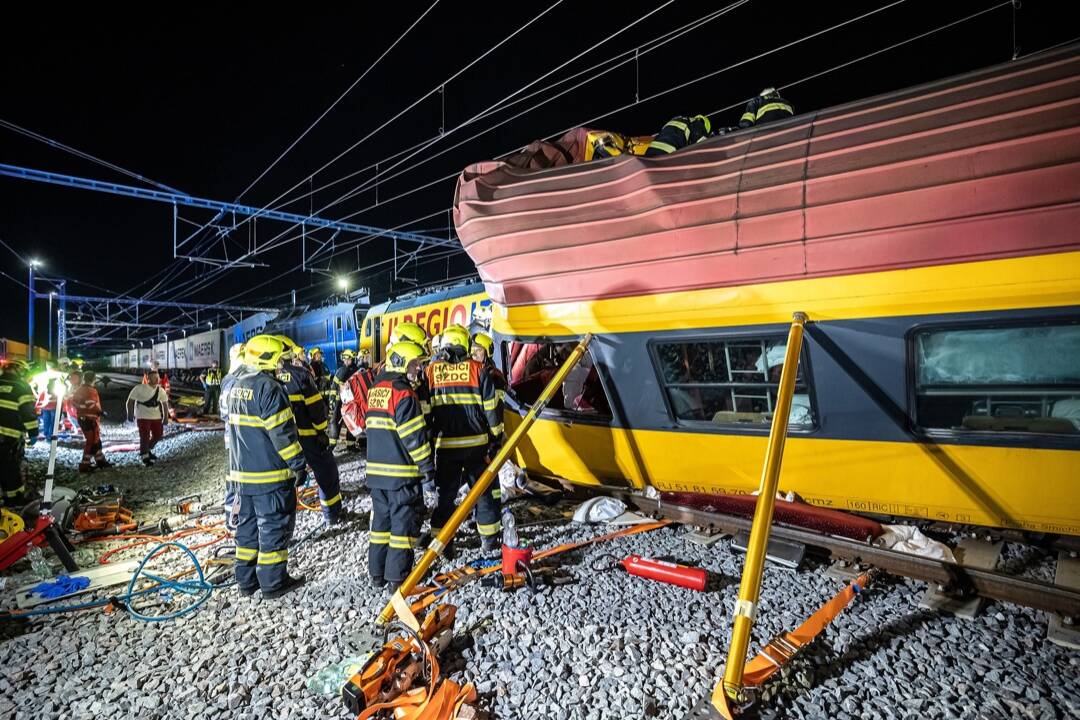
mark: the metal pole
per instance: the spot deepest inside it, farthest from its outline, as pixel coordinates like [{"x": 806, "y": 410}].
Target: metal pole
[
  {"x": 481, "y": 485},
  {"x": 30, "y": 317},
  {"x": 50, "y": 324},
  {"x": 754, "y": 566}
]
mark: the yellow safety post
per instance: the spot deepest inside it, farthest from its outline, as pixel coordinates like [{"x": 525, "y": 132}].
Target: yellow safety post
[
  {"x": 479, "y": 487},
  {"x": 746, "y": 606}
]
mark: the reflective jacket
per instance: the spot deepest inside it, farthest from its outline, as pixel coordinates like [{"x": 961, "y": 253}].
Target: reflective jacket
[
  {"x": 211, "y": 377},
  {"x": 260, "y": 431},
  {"x": 677, "y": 133},
  {"x": 464, "y": 405},
  {"x": 354, "y": 397},
  {"x": 309, "y": 408},
  {"x": 398, "y": 448},
  {"x": 17, "y": 415},
  {"x": 86, "y": 401},
  {"x": 341, "y": 376},
  {"x": 765, "y": 108}
]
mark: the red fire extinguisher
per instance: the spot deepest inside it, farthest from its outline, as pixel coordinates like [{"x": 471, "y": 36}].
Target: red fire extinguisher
[{"x": 667, "y": 572}]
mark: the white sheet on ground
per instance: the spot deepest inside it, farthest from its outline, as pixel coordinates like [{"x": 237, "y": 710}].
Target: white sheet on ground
[
  {"x": 908, "y": 539},
  {"x": 599, "y": 509}
]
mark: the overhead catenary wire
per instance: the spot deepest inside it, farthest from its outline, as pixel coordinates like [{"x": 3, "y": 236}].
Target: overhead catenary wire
[
  {"x": 804, "y": 79},
  {"x": 416, "y": 102},
  {"x": 338, "y": 100},
  {"x": 630, "y": 56},
  {"x": 739, "y": 63},
  {"x": 84, "y": 155},
  {"x": 511, "y": 100},
  {"x": 808, "y": 78},
  {"x": 166, "y": 274}
]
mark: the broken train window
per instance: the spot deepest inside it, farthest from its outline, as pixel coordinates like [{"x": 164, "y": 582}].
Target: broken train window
[
  {"x": 730, "y": 381},
  {"x": 531, "y": 365}
]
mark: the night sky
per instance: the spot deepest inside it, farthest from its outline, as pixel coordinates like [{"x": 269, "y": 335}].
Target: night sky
[{"x": 204, "y": 99}]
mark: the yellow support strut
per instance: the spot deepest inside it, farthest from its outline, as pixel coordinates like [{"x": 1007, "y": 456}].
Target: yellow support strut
[
  {"x": 731, "y": 687},
  {"x": 479, "y": 487}
]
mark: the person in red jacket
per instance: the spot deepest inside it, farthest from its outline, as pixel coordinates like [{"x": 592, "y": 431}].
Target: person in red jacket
[{"x": 87, "y": 405}]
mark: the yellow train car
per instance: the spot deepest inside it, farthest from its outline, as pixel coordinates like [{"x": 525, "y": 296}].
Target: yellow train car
[
  {"x": 467, "y": 305},
  {"x": 930, "y": 236}
]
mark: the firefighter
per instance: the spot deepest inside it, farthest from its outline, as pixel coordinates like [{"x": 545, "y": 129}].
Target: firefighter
[
  {"x": 318, "y": 369},
  {"x": 48, "y": 385},
  {"x": 400, "y": 467},
  {"x": 354, "y": 400},
  {"x": 87, "y": 404},
  {"x": 344, "y": 372},
  {"x": 467, "y": 429},
  {"x": 18, "y": 421},
  {"x": 211, "y": 382},
  {"x": 483, "y": 352},
  {"x": 232, "y": 504},
  {"x": 264, "y": 459},
  {"x": 766, "y": 107},
  {"x": 677, "y": 133},
  {"x": 309, "y": 410}
]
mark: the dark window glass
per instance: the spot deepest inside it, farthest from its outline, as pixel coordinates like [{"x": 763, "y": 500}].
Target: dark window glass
[
  {"x": 1003, "y": 379},
  {"x": 530, "y": 366},
  {"x": 731, "y": 381}
]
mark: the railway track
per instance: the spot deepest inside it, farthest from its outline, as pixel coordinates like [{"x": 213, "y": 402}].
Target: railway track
[{"x": 951, "y": 578}]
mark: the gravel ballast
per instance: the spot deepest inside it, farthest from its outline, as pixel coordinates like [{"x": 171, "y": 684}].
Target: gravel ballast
[{"x": 609, "y": 645}]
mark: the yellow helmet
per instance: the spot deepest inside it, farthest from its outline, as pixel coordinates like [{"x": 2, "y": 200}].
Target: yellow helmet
[
  {"x": 313, "y": 351},
  {"x": 291, "y": 349},
  {"x": 14, "y": 365},
  {"x": 403, "y": 353},
  {"x": 484, "y": 340},
  {"x": 347, "y": 353},
  {"x": 263, "y": 352},
  {"x": 408, "y": 331},
  {"x": 456, "y": 336}
]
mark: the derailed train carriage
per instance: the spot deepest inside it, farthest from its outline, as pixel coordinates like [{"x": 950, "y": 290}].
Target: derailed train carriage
[{"x": 930, "y": 235}]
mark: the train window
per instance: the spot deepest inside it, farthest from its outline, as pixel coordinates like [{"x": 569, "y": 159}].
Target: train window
[
  {"x": 530, "y": 366},
  {"x": 730, "y": 381},
  {"x": 1016, "y": 378}
]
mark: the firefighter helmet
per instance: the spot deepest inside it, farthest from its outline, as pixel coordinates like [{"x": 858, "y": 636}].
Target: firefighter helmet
[
  {"x": 15, "y": 366},
  {"x": 456, "y": 336},
  {"x": 484, "y": 340},
  {"x": 313, "y": 351},
  {"x": 347, "y": 354},
  {"x": 292, "y": 350},
  {"x": 403, "y": 353},
  {"x": 263, "y": 352},
  {"x": 408, "y": 331}
]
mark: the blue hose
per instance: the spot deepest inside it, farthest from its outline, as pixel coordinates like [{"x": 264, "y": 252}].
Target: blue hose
[
  {"x": 201, "y": 587},
  {"x": 189, "y": 587}
]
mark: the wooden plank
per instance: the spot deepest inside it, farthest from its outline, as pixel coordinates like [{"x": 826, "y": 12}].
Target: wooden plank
[{"x": 100, "y": 576}]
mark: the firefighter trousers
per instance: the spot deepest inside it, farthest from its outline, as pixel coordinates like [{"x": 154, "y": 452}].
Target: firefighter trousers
[
  {"x": 324, "y": 468},
  {"x": 395, "y": 529},
  {"x": 454, "y": 468},
  {"x": 211, "y": 395},
  {"x": 338, "y": 428},
  {"x": 12, "y": 471},
  {"x": 264, "y": 528}
]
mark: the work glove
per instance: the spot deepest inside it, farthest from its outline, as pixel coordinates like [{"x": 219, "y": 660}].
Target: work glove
[{"x": 431, "y": 493}]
